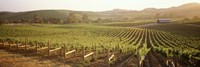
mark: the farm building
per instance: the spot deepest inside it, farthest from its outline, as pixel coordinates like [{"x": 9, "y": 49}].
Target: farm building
[{"x": 163, "y": 20}]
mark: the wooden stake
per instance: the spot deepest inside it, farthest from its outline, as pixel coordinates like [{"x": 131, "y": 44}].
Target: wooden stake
[
  {"x": 36, "y": 48},
  {"x": 83, "y": 53},
  {"x": 167, "y": 62},
  {"x": 94, "y": 55},
  {"x": 89, "y": 54},
  {"x": 17, "y": 45},
  {"x": 9, "y": 45},
  {"x": 107, "y": 59},
  {"x": 25, "y": 45},
  {"x": 64, "y": 49},
  {"x": 55, "y": 49},
  {"x": 175, "y": 61},
  {"x": 111, "y": 57},
  {"x": 138, "y": 57},
  {"x": 3, "y": 43},
  {"x": 61, "y": 51},
  {"x": 70, "y": 52},
  {"x": 49, "y": 49},
  {"x": 75, "y": 52}
]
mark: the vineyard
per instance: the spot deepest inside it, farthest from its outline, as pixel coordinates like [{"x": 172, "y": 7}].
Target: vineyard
[{"x": 173, "y": 45}]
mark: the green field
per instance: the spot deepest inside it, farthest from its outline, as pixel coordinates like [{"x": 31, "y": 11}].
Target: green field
[{"x": 156, "y": 42}]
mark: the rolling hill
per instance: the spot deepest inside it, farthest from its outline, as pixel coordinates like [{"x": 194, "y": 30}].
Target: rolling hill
[{"x": 185, "y": 10}]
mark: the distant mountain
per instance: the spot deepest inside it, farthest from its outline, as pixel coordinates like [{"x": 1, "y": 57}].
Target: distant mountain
[
  {"x": 4, "y": 13},
  {"x": 190, "y": 5},
  {"x": 185, "y": 10},
  {"x": 30, "y": 14}
]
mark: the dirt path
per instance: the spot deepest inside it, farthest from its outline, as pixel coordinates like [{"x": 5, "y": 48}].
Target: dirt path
[
  {"x": 152, "y": 60},
  {"x": 8, "y": 59}
]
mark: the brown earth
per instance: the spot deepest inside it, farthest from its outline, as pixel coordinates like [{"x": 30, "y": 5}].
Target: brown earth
[{"x": 8, "y": 59}]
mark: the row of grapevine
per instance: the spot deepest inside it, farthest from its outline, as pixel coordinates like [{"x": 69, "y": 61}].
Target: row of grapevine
[{"x": 175, "y": 45}]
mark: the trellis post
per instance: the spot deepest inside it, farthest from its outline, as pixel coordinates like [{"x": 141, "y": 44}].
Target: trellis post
[
  {"x": 64, "y": 49},
  {"x": 94, "y": 55},
  {"x": 9, "y": 45},
  {"x": 83, "y": 54},
  {"x": 49, "y": 48},
  {"x": 17, "y": 45},
  {"x": 107, "y": 59},
  {"x": 36, "y": 48},
  {"x": 3, "y": 43},
  {"x": 25, "y": 45}
]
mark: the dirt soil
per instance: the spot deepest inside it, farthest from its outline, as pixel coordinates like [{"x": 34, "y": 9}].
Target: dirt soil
[{"x": 9, "y": 59}]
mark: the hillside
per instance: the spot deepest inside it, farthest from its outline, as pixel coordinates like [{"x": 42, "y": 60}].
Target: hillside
[{"x": 185, "y": 10}]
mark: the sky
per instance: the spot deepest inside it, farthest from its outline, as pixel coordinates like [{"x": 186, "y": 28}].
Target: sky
[{"x": 87, "y": 5}]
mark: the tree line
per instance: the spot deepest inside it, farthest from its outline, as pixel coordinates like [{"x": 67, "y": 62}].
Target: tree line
[
  {"x": 71, "y": 18},
  {"x": 193, "y": 19}
]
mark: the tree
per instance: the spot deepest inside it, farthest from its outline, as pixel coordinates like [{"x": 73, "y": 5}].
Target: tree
[
  {"x": 98, "y": 20},
  {"x": 23, "y": 20},
  {"x": 44, "y": 20},
  {"x": 72, "y": 18},
  {"x": 4, "y": 21},
  {"x": 85, "y": 18},
  {"x": 157, "y": 15},
  {"x": 36, "y": 19},
  {"x": 186, "y": 19},
  {"x": 195, "y": 18}
]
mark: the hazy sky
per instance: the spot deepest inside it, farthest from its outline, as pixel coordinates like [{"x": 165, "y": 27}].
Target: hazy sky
[{"x": 87, "y": 5}]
